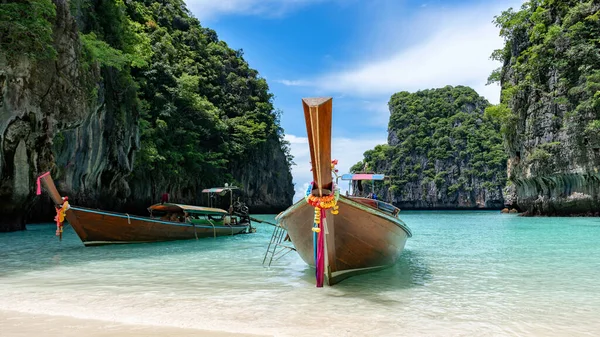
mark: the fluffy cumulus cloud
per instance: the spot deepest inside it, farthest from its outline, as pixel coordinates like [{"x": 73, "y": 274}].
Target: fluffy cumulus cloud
[
  {"x": 458, "y": 55},
  {"x": 455, "y": 49},
  {"x": 348, "y": 151},
  {"x": 211, "y": 9}
]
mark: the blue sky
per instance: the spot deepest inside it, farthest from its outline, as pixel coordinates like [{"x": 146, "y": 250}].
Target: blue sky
[{"x": 360, "y": 53}]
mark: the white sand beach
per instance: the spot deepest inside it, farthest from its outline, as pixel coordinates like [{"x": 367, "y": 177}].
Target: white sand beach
[{"x": 18, "y": 324}]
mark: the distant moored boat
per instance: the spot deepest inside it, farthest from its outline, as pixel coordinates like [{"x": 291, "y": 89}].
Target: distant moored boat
[{"x": 167, "y": 221}]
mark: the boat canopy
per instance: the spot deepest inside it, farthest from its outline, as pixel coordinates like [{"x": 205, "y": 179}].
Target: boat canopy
[
  {"x": 220, "y": 190},
  {"x": 363, "y": 176},
  {"x": 176, "y": 208}
]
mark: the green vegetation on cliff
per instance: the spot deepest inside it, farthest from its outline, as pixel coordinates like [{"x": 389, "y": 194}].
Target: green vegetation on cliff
[
  {"x": 203, "y": 110},
  {"x": 550, "y": 103},
  {"x": 123, "y": 100},
  {"x": 551, "y": 65},
  {"x": 441, "y": 150},
  {"x": 26, "y": 28}
]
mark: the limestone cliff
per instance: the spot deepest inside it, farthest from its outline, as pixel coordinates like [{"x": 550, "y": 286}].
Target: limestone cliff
[
  {"x": 264, "y": 181},
  {"x": 442, "y": 153},
  {"x": 49, "y": 120},
  {"x": 550, "y": 106},
  {"x": 101, "y": 96},
  {"x": 208, "y": 117}
]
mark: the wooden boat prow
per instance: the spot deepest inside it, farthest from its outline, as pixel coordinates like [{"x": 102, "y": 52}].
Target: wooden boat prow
[
  {"x": 362, "y": 235},
  {"x": 317, "y": 114}
]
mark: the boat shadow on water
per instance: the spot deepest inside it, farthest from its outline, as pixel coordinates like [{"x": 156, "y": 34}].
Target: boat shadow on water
[{"x": 410, "y": 271}]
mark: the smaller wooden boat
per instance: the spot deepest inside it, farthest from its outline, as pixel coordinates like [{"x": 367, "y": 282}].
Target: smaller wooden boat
[{"x": 167, "y": 221}]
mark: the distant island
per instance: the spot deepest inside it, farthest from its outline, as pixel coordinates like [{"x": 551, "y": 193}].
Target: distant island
[{"x": 442, "y": 152}]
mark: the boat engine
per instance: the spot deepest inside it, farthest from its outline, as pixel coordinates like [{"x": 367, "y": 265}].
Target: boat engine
[{"x": 240, "y": 209}]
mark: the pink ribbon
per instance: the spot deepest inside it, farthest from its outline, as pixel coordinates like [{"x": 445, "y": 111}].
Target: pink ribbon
[
  {"x": 320, "y": 263},
  {"x": 39, "y": 183}
]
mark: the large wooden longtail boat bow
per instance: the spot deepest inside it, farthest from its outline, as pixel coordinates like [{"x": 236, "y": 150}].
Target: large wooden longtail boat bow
[{"x": 340, "y": 236}]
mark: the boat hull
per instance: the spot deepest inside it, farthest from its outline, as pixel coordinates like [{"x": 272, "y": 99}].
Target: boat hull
[
  {"x": 358, "y": 239},
  {"x": 96, "y": 227}
]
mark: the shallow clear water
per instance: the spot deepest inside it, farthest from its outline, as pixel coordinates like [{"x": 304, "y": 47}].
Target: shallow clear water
[{"x": 461, "y": 274}]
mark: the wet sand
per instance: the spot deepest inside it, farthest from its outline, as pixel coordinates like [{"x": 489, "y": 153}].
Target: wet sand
[{"x": 18, "y": 324}]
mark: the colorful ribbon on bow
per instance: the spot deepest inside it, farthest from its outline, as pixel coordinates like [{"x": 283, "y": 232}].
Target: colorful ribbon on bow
[
  {"x": 319, "y": 245},
  {"x": 60, "y": 216},
  {"x": 321, "y": 204}
]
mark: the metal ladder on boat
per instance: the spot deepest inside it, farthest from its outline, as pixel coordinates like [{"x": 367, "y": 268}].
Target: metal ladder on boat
[{"x": 277, "y": 249}]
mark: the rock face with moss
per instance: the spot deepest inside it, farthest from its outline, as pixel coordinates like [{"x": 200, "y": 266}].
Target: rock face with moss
[
  {"x": 125, "y": 101},
  {"x": 49, "y": 120},
  {"x": 442, "y": 153},
  {"x": 550, "y": 106}
]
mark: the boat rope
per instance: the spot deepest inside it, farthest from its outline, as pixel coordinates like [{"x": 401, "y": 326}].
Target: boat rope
[
  {"x": 128, "y": 219},
  {"x": 213, "y": 226},
  {"x": 195, "y": 233},
  {"x": 228, "y": 224}
]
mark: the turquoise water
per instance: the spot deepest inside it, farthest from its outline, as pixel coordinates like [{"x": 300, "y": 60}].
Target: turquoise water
[{"x": 461, "y": 274}]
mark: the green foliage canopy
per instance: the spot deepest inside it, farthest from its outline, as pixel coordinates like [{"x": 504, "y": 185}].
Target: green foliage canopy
[
  {"x": 551, "y": 59},
  {"x": 439, "y": 136},
  {"x": 203, "y": 110},
  {"x": 26, "y": 28}
]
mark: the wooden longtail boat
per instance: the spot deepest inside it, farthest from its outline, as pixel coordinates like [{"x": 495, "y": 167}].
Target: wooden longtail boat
[
  {"x": 167, "y": 222},
  {"x": 342, "y": 236}
]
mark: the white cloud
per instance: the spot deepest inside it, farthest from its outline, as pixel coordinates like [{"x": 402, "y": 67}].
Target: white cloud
[
  {"x": 348, "y": 151},
  {"x": 457, "y": 56},
  {"x": 297, "y": 140},
  {"x": 294, "y": 83},
  {"x": 210, "y": 9},
  {"x": 455, "y": 51}
]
